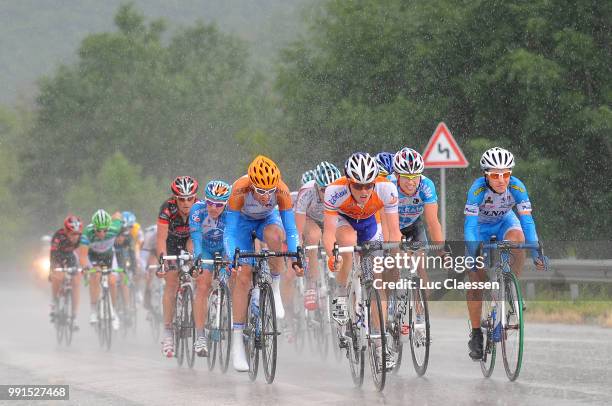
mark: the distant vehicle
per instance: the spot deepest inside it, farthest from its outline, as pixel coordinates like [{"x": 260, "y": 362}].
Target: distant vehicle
[{"x": 41, "y": 265}]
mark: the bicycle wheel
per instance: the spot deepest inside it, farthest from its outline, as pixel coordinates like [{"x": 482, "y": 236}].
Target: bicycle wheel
[
  {"x": 107, "y": 324},
  {"x": 332, "y": 325},
  {"x": 59, "y": 320},
  {"x": 179, "y": 349},
  {"x": 133, "y": 309},
  {"x": 225, "y": 328},
  {"x": 487, "y": 364},
  {"x": 300, "y": 335},
  {"x": 321, "y": 331},
  {"x": 68, "y": 319},
  {"x": 188, "y": 332},
  {"x": 376, "y": 339},
  {"x": 212, "y": 326},
  {"x": 251, "y": 335},
  {"x": 355, "y": 348},
  {"x": 419, "y": 330},
  {"x": 269, "y": 333},
  {"x": 512, "y": 335},
  {"x": 394, "y": 327}
]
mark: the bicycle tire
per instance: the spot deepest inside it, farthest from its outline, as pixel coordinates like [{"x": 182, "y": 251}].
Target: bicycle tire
[
  {"x": 251, "y": 340},
  {"x": 487, "y": 363},
  {"x": 513, "y": 326},
  {"x": 179, "y": 350},
  {"x": 212, "y": 327},
  {"x": 416, "y": 343},
  {"x": 379, "y": 375},
  {"x": 68, "y": 319},
  {"x": 108, "y": 322},
  {"x": 225, "y": 329},
  {"x": 188, "y": 327},
  {"x": 355, "y": 348},
  {"x": 269, "y": 333}
]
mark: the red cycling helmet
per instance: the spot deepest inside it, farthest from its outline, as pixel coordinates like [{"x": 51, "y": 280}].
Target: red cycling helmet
[
  {"x": 73, "y": 224},
  {"x": 184, "y": 186}
]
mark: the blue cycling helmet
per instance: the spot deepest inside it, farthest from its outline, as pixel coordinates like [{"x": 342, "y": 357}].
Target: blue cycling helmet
[
  {"x": 218, "y": 190},
  {"x": 384, "y": 160},
  {"x": 129, "y": 219}
]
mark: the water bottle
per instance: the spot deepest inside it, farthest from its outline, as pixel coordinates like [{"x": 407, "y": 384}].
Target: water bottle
[{"x": 255, "y": 301}]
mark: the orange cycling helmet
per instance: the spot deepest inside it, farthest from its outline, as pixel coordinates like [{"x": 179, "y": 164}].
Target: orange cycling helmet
[{"x": 264, "y": 173}]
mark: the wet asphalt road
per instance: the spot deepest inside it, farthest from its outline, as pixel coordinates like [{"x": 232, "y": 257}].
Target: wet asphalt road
[{"x": 563, "y": 365}]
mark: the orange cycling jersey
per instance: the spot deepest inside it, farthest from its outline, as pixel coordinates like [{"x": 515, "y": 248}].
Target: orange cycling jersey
[
  {"x": 338, "y": 199},
  {"x": 242, "y": 199}
]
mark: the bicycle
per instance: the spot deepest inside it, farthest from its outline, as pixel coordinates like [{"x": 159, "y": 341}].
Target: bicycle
[
  {"x": 104, "y": 327},
  {"x": 413, "y": 303},
  {"x": 219, "y": 317},
  {"x": 364, "y": 328},
  {"x": 261, "y": 330},
  {"x": 155, "y": 314},
  {"x": 64, "y": 317},
  {"x": 502, "y": 309},
  {"x": 183, "y": 323},
  {"x": 128, "y": 311},
  {"x": 318, "y": 318}
]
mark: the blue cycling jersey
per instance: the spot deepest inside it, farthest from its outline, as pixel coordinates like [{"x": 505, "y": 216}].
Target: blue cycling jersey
[
  {"x": 485, "y": 207},
  {"x": 206, "y": 232},
  {"x": 410, "y": 208}
]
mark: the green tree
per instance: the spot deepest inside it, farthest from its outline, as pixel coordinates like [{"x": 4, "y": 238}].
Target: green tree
[
  {"x": 532, "y": 77},
  {"x": 171, "y": 106},
  {"x": 118, "y": 186}
]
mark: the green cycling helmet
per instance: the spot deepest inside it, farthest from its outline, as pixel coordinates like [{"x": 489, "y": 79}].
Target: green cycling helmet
[{"x": 101, "y": 220}]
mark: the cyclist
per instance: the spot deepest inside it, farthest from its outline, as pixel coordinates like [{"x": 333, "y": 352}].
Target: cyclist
[
  {"x": 97, "y": 249},
  {"x": 384, "y": 160},
  {"x": 127, "y": 251},
  {"x": 352, "y": 205},
  {"x": 488, "y": 212},
  {"x": 64, "y": 243},
  {"x": 172, "y": 236},
  {"x": 148, "y": 256},
  {"x": 252, "y": 207},
  {"x": 206, "y": 225},
  {"x": 309, "y": 219}
]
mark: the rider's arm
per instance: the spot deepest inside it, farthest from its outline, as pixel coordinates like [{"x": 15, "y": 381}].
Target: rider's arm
[
  {"x": 300, "y": 221},
  {"x": 233, "y": 208},
  {"x": 330, "y": 223},
  {"x": 162, "y": 235},
  {"x": 387, "y": 191},
  {"x": 430, "y": 211},
  {"x": 523, "y": 208},
  {"x": 197, "y": 212},
  {"x": 285, "y": 207},
  {"x": 470, "y": 225},
  {"x": 301, "y": 205}
]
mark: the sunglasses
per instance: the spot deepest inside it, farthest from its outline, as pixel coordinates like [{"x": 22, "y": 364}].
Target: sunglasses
[
  {"x": 359, "y": 186},
  {"x": 410, "y": 176},
  {"x": 499, "y": 176},
  {"x": 185, "y": 199},
  {"x": 264, "y": 192},
  {"x": 211, "y": 203}
]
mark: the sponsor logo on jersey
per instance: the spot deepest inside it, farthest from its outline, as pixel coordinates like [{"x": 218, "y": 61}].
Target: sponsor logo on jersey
[
  {"x": 334, "y": 198},
  {"x": 416, "y": 200},
  {"x": 493, "y": 213},
  {"x": 470, "y": 210},
  {"x": 517, "y": 187},
  {"x": 489, "y": 200},
  {"x": 479, "y": 191}
]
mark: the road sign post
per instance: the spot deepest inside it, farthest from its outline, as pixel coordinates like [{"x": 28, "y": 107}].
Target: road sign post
[{"x": 442, "y": 151}]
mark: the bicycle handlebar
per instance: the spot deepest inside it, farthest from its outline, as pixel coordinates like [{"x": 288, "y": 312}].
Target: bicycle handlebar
[
  {"x": 68, "y": 269},
  {"x": 269, "y": 254}
]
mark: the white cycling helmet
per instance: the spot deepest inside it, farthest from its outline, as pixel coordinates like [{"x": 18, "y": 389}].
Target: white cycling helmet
[
  {"x": 326, "y": 173},
  {"x": 497, "y": 158},
  {"x": 408, "y": 161},
  {"x": 361, "y": 168}
]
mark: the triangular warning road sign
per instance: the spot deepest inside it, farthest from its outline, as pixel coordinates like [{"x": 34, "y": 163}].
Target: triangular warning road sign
[{"x": 442, "y": 150}]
